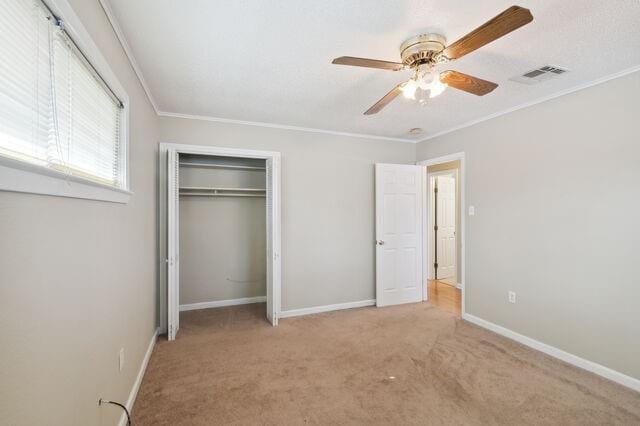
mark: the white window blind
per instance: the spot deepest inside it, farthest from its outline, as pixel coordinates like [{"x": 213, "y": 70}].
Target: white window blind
[{"x": 55, "y": 109}]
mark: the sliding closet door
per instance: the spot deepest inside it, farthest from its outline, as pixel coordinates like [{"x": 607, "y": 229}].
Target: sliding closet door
[
  {"x": 173, "y": 241},
  {"x": 273, "y": 239}
]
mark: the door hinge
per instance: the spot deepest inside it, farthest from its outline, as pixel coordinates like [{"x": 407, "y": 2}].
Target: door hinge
[
  {"x": 435, "y": 227},
  {"x": 435, "y": 189},
  {"x": 435, "y": 265}
]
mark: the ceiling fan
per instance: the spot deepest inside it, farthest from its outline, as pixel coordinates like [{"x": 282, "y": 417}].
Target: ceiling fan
[{"x": 422, "y": 53}]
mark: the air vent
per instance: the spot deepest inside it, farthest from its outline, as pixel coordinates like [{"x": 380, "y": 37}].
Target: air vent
[{"x": 539, "y": 75}]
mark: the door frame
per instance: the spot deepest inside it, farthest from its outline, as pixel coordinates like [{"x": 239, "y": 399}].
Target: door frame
[
  {"x": 274, "y": 214},
  {"x": 429, "y": 223},
  {"x": 425, "y": 223}
]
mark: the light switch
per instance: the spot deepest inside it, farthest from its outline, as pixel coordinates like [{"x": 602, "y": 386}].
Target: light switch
[{"x": 472, "y": 211}]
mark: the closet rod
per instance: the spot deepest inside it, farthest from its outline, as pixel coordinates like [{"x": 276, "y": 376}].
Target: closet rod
[
  {"x": 200, "y": 191},
  {"x": 207, "y": 188},
  {"x": 209, "y": 194},
  {"x": 222, "y": 166}
]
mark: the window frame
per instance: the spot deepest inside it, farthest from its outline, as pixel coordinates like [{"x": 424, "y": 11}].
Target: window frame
[{"x": 21, "y": 176}]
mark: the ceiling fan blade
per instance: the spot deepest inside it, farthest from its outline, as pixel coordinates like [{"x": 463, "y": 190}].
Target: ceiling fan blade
[
  {"x": 467, "y": 83},
  {"x": 509, "y": 20},
  {"x": 368, "y": 63},
  {"x": 385, "y": 100}
]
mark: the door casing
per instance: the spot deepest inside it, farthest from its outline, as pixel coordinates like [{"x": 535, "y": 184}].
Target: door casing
[
  {"x": 274, "y": 268},
  {"x": 461, "y": 233}
]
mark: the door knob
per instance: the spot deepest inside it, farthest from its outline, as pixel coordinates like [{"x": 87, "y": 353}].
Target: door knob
[{"x": 380, "y": 242}]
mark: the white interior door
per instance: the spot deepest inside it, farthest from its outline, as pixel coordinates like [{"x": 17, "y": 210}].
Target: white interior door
[
  {"x": 273, "y": 240},
  {"x": 173, "y": 241},
  {"x": 398, "y": 234},
  {"x": 446, "y": 223}
]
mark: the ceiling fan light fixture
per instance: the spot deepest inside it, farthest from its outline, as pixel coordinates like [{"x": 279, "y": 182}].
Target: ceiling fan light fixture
[
  {"x": 409, "y": 89},
  {"x": 422, "y": 96},
  {"x": 428, "y": 80},
  {"x": 436, "y": 88},
  {"x": 422, "y": 53}
]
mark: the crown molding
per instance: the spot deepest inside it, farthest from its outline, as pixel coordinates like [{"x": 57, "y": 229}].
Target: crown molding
[
  {"x": 537, "y": 101},
  {"x": 281, "y": 126},
  {"x": 106, "y": 7}
]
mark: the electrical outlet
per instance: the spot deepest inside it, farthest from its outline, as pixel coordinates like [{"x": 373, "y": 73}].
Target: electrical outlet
[
  {"x": 121, "y": 359},
  {"x": 512, "y": 297}
]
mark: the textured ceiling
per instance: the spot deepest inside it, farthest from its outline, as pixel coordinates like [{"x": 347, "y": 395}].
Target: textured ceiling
[{"x": 270, "y": 60}]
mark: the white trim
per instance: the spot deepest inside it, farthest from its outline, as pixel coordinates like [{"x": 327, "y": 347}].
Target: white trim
[
  {"x": 443, "y": 159},
  {"x": 217, "y": 150},
  {"x": 221, "y": 303},
  {"x": 269, "y": 156},
  {"x": 18, "y": 176},
  {"x": 136, "y": 384},
  {"x": 281, "y": 126},
  {"x": 463, "y": 233},
  {"x": 127, "y": 49},
  {"x": 326, "y": 308},
  {"x": 567, "y": 357},
  {"x": 537, "y": 101},
  {"x": 108, "y": 10}
]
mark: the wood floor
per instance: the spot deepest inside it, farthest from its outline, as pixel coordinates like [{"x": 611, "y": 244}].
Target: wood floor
[
  {"x": 445, "y": 296},
  {"x": 412, "y": 364}
]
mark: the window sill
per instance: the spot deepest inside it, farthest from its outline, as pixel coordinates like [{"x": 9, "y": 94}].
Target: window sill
[{"x": 17, "y": 176}]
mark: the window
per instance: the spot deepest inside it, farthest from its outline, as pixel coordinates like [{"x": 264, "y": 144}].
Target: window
[{"x": 57, "y": 113}]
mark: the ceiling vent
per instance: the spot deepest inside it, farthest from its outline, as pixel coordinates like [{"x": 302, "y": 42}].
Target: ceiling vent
[{"x": 539, "y": 75}]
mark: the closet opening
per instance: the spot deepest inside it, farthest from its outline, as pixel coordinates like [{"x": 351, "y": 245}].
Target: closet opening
[{"x": 222, "y": 235}]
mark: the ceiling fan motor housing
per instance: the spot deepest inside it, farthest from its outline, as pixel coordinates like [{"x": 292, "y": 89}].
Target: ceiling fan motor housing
[{"x": 422, "y": 49}]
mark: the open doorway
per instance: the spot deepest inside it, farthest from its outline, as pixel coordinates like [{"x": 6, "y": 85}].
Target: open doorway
[
  {"x": 443, "y": 236},
  {"x": 443, "y": 220}
]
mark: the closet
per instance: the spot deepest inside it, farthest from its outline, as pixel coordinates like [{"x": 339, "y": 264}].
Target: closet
[{"x": 222, "y": 230}]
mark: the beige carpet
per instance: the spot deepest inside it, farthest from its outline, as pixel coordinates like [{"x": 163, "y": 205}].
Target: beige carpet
[{"x": 404, "y": 365}]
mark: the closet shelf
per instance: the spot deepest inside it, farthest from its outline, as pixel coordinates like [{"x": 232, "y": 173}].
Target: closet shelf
[
  {"x": 202, "y": 191},
  {"x": 222, "y": 166}
]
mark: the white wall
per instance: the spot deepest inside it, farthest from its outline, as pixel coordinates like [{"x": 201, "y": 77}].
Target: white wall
[
  {"x": 556, "y": 190},
  {"x": 327, "y": 204},
  {"x": 77, "y": 281}
]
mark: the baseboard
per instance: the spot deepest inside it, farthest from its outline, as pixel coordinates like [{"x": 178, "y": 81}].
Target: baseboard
[
  {"x": 585, "y": 364},
  {"x": 221, "y": 303},
  {"x": 136, "y": 385},
  {"x": 325, "y": 308}
]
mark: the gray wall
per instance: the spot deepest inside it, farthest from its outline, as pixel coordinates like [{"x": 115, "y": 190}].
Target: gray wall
[
  {"x": 556, "y": 188},
  {"x": 327, "y": 204},
  {"x": 223, "y": 248},
  {"x": 77, "y": 281}
]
